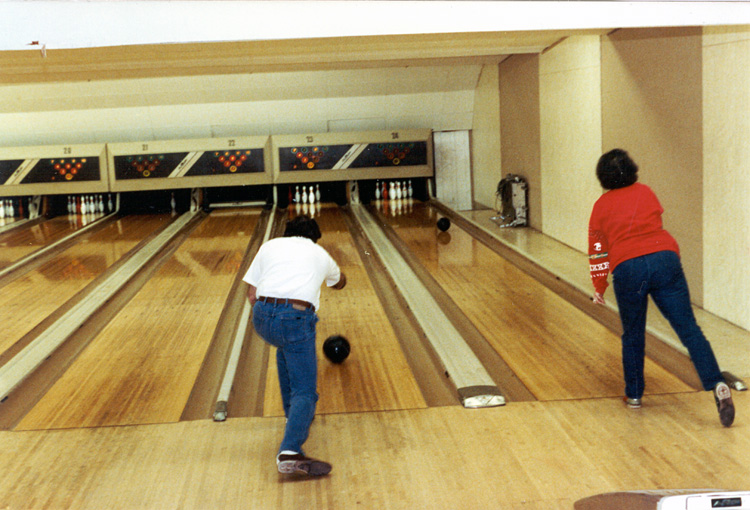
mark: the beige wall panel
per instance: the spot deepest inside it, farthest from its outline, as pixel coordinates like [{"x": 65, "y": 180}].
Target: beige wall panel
[
  {"x": 447, "y": 110},
  {"x": 486, "y": 137},
  {"x": 453, "y": 168},
  {"x": 519, "y": 124},
  {"x": 726, "y": 174},
  {"x": 570, "y": 106},
  {"x": 652, "y": 107}
]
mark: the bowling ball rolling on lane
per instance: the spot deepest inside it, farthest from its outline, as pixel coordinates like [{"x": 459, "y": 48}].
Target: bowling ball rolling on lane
[
  {"x": 336, "y": 348},
  {"x": 443, "y": 224}
]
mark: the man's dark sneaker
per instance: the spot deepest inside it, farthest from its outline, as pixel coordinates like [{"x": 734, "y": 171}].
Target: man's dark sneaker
[
  {"x": 723, "y": 397},
  {"x": 632, "y": 403},
  {"x": 299, "y": 464}
]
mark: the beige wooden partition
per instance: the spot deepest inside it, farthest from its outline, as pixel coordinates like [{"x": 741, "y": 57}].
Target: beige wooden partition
[
  {"x": 651, "y": 107},
  {"x": 519, "y": 127},
  {"x": 726, "y": 172},
  {"x": 570, "y": 118}
]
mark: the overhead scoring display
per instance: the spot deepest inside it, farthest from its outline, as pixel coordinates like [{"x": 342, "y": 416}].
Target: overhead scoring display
[
  {"x": 357, "y": 155},
  {"x": 189, "y": 164},
  {"x": 32, "y": 171}
]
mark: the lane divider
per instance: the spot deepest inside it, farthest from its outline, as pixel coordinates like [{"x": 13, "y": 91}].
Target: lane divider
[
  {"x": 27, "y": 360},
  {"x": 473, "y": 383}
]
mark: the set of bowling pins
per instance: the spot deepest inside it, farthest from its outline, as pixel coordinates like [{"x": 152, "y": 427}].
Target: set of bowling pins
[
  {"x": 308, "y": 196},
  {"x": 393, "y": 190},
  {"x": 306, "y": 200},
  {"x": 395, "y": 197},
  {"x": 88, "y": 204},
  {"x": 9, "y": 210}
]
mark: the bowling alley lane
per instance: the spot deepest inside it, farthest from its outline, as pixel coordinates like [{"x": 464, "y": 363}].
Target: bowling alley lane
[
  {"x": 556, "y": 350},
  {"x": 29, "y": 299},
  {"x": 23, "y": 241},
  {"x": 376, "y": 375},
  {"x": 142, "y": 366}
]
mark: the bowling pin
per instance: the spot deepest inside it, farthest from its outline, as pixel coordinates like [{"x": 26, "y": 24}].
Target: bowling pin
[
  {"x": 304, "y": 194},
  {"x": 11, "y": 209},
  {"x": 173, "y": 203},
  {"x": 109, "y": 203},
  {"x": 2, "y": 210},
  {"x": 317, "y": 192},
  {"x": 101, "y": 203},
  {"x": 377, "y": 190},
  {"x": 296, "y": 195},
  {"x": 410, "y": 190},
  {"x": 83, "y": 205},
  {"x": 311, "y": 198}
]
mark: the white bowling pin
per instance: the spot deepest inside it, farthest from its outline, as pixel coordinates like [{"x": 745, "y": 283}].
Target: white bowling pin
[
  {"x": 311, "y": 198},
  {"x": 317, "y": 192},
  {"x": 411, "y": 190},
  {"x": 296, "y": 195},
  {"x": 377, "y": 190},
  {"x": 304, "y": 194}
]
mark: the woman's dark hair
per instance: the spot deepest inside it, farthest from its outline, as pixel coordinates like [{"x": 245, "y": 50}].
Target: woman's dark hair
[
  {"x": 303, "y": 226},
  {"x": 615, "y": 170}
]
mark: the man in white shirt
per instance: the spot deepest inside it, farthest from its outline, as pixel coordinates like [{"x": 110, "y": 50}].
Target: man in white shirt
[{"x": 285, "y": 279}]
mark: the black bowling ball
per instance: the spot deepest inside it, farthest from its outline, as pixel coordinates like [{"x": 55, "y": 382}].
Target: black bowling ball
[
  {"x": 444, "y": 224},
  {"x": 336, "y": 348}
]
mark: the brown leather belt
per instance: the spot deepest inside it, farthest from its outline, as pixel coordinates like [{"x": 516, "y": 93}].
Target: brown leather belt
[{"x": 276, "y": 301}]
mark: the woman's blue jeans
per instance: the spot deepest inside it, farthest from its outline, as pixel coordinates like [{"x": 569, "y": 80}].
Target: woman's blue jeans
[
  {"x": 292, "y": 332},
  {"x": 659, "y": 274}
]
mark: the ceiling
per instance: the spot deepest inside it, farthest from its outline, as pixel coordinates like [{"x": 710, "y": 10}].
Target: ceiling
[{"x": 52, "y": 42}]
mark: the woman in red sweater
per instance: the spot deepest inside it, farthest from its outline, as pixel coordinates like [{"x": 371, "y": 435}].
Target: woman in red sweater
[{"x": 626, "y": 238}]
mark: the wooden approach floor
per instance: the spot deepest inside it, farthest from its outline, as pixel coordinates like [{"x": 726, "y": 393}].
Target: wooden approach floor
[
  {"x": 388, "y": 448},
  {"x": 527, "y": 455}
]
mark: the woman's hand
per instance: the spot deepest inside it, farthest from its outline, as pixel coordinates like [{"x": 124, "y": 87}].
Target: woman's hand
[{"x": 598, "y": 299}]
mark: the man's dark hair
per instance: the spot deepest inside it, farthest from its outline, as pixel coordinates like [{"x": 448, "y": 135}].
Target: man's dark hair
[
  {"x": 303, "y": 226},
  {"x": 616, "y": 170}
]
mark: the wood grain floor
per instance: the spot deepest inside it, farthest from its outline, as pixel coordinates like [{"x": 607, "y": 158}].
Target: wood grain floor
[
  {"x": 389, "y": 450},
  {"x": 528, "y": 455},
  {"x": 19, "y": 243},
  {"x": 376, "y": 376},
  {"x": 142, "y": 366},
  {"x": 555, "y": 349},
  {"x": 28, "y": 300}
]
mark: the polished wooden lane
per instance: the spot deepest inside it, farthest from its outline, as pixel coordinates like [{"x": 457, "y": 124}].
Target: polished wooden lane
[
  {"x": 558, "y": 351},
  {"x": 376, "y": 376},
  {"x": 23, "y": 241},
  {"x": 28, "y": 300},
  {"x": 524, "y": 456},
  {"x": 143, "y": 364}
]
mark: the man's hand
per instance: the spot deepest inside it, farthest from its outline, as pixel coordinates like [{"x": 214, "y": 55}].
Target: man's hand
[
  {"x": 251, "y": 295},
  {"x": 341, "y": 283}
]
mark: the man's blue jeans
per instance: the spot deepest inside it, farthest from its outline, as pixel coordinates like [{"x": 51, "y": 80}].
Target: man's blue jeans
[
  {"x": 292, "y": 332},
  {"x": 659, "y": 274}
]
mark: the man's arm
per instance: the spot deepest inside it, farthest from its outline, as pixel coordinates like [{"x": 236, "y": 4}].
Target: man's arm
[
  {"x": 251, "y": 294},
  {"x": 341, "y": 283}
]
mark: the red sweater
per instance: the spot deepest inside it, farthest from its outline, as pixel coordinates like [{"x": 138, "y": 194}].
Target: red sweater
[{"x": 625, "y": 223}]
